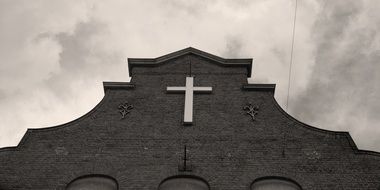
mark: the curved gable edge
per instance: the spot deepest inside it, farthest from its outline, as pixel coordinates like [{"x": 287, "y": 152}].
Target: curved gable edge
[
  {"x": 151, "y": 62},
  {"x": 106, "y": 85},
  {"x": 342, "y": 134}
]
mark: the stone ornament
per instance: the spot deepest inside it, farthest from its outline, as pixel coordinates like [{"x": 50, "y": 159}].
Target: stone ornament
[
  {"x": 124, "y": 109},
  {"x": 251, "y": 110}
]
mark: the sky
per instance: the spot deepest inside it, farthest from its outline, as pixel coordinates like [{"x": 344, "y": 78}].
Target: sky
[{"x": 54, "y": 55}]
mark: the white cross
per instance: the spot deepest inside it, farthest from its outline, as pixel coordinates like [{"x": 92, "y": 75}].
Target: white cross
[{"x": 189, "y": 89}]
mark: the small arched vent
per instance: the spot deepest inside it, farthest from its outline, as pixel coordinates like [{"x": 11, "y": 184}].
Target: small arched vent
[
  {"x": 184, "y": 183},
  {"x": 275, "y": 183},
  {"x": 93, "y": 182}
]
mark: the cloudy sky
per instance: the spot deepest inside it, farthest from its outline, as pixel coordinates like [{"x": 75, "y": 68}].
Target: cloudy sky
[{"x": 54, "y": 55}]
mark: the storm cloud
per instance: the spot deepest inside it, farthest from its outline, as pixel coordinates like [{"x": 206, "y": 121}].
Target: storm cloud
[{"x": 343, "y": 91}]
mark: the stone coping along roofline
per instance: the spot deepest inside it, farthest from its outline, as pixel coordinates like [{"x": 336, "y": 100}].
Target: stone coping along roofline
[
  {"x": 344, "y": 134},
  {"x": 106, "y": 85},
  {"x": 150, "y": 62}
]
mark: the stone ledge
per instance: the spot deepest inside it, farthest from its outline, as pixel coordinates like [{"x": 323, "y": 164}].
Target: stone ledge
[
  {"x": 260, "y": 87},
  {"x": 117, "y": 86}
]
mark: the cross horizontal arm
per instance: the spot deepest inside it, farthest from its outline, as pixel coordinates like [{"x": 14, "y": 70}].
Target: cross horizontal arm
[
  {"x": 176, "y": 89},
  {"x": 202, "y": 89}
]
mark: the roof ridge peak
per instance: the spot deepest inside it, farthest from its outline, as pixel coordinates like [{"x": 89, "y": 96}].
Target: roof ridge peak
[{"x": 235, "y": 62}]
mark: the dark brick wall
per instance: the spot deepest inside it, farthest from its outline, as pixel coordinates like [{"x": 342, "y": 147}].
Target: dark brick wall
[{"x": 226, "y": 148}]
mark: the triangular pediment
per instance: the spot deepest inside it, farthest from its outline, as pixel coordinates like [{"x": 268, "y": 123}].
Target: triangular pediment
[{"x": 153, "y": 62}]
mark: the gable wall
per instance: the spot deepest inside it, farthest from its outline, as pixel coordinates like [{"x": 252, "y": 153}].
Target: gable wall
[{"x": 226, "y": 148}]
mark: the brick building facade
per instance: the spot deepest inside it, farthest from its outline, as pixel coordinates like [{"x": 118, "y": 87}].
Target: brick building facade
[{"x": 239, "y": 136}]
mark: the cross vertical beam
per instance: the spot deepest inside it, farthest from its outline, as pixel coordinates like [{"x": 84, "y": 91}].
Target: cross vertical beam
[
  {"x": 188, "y": 115},
  {"x": 189, "y": 90}
]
